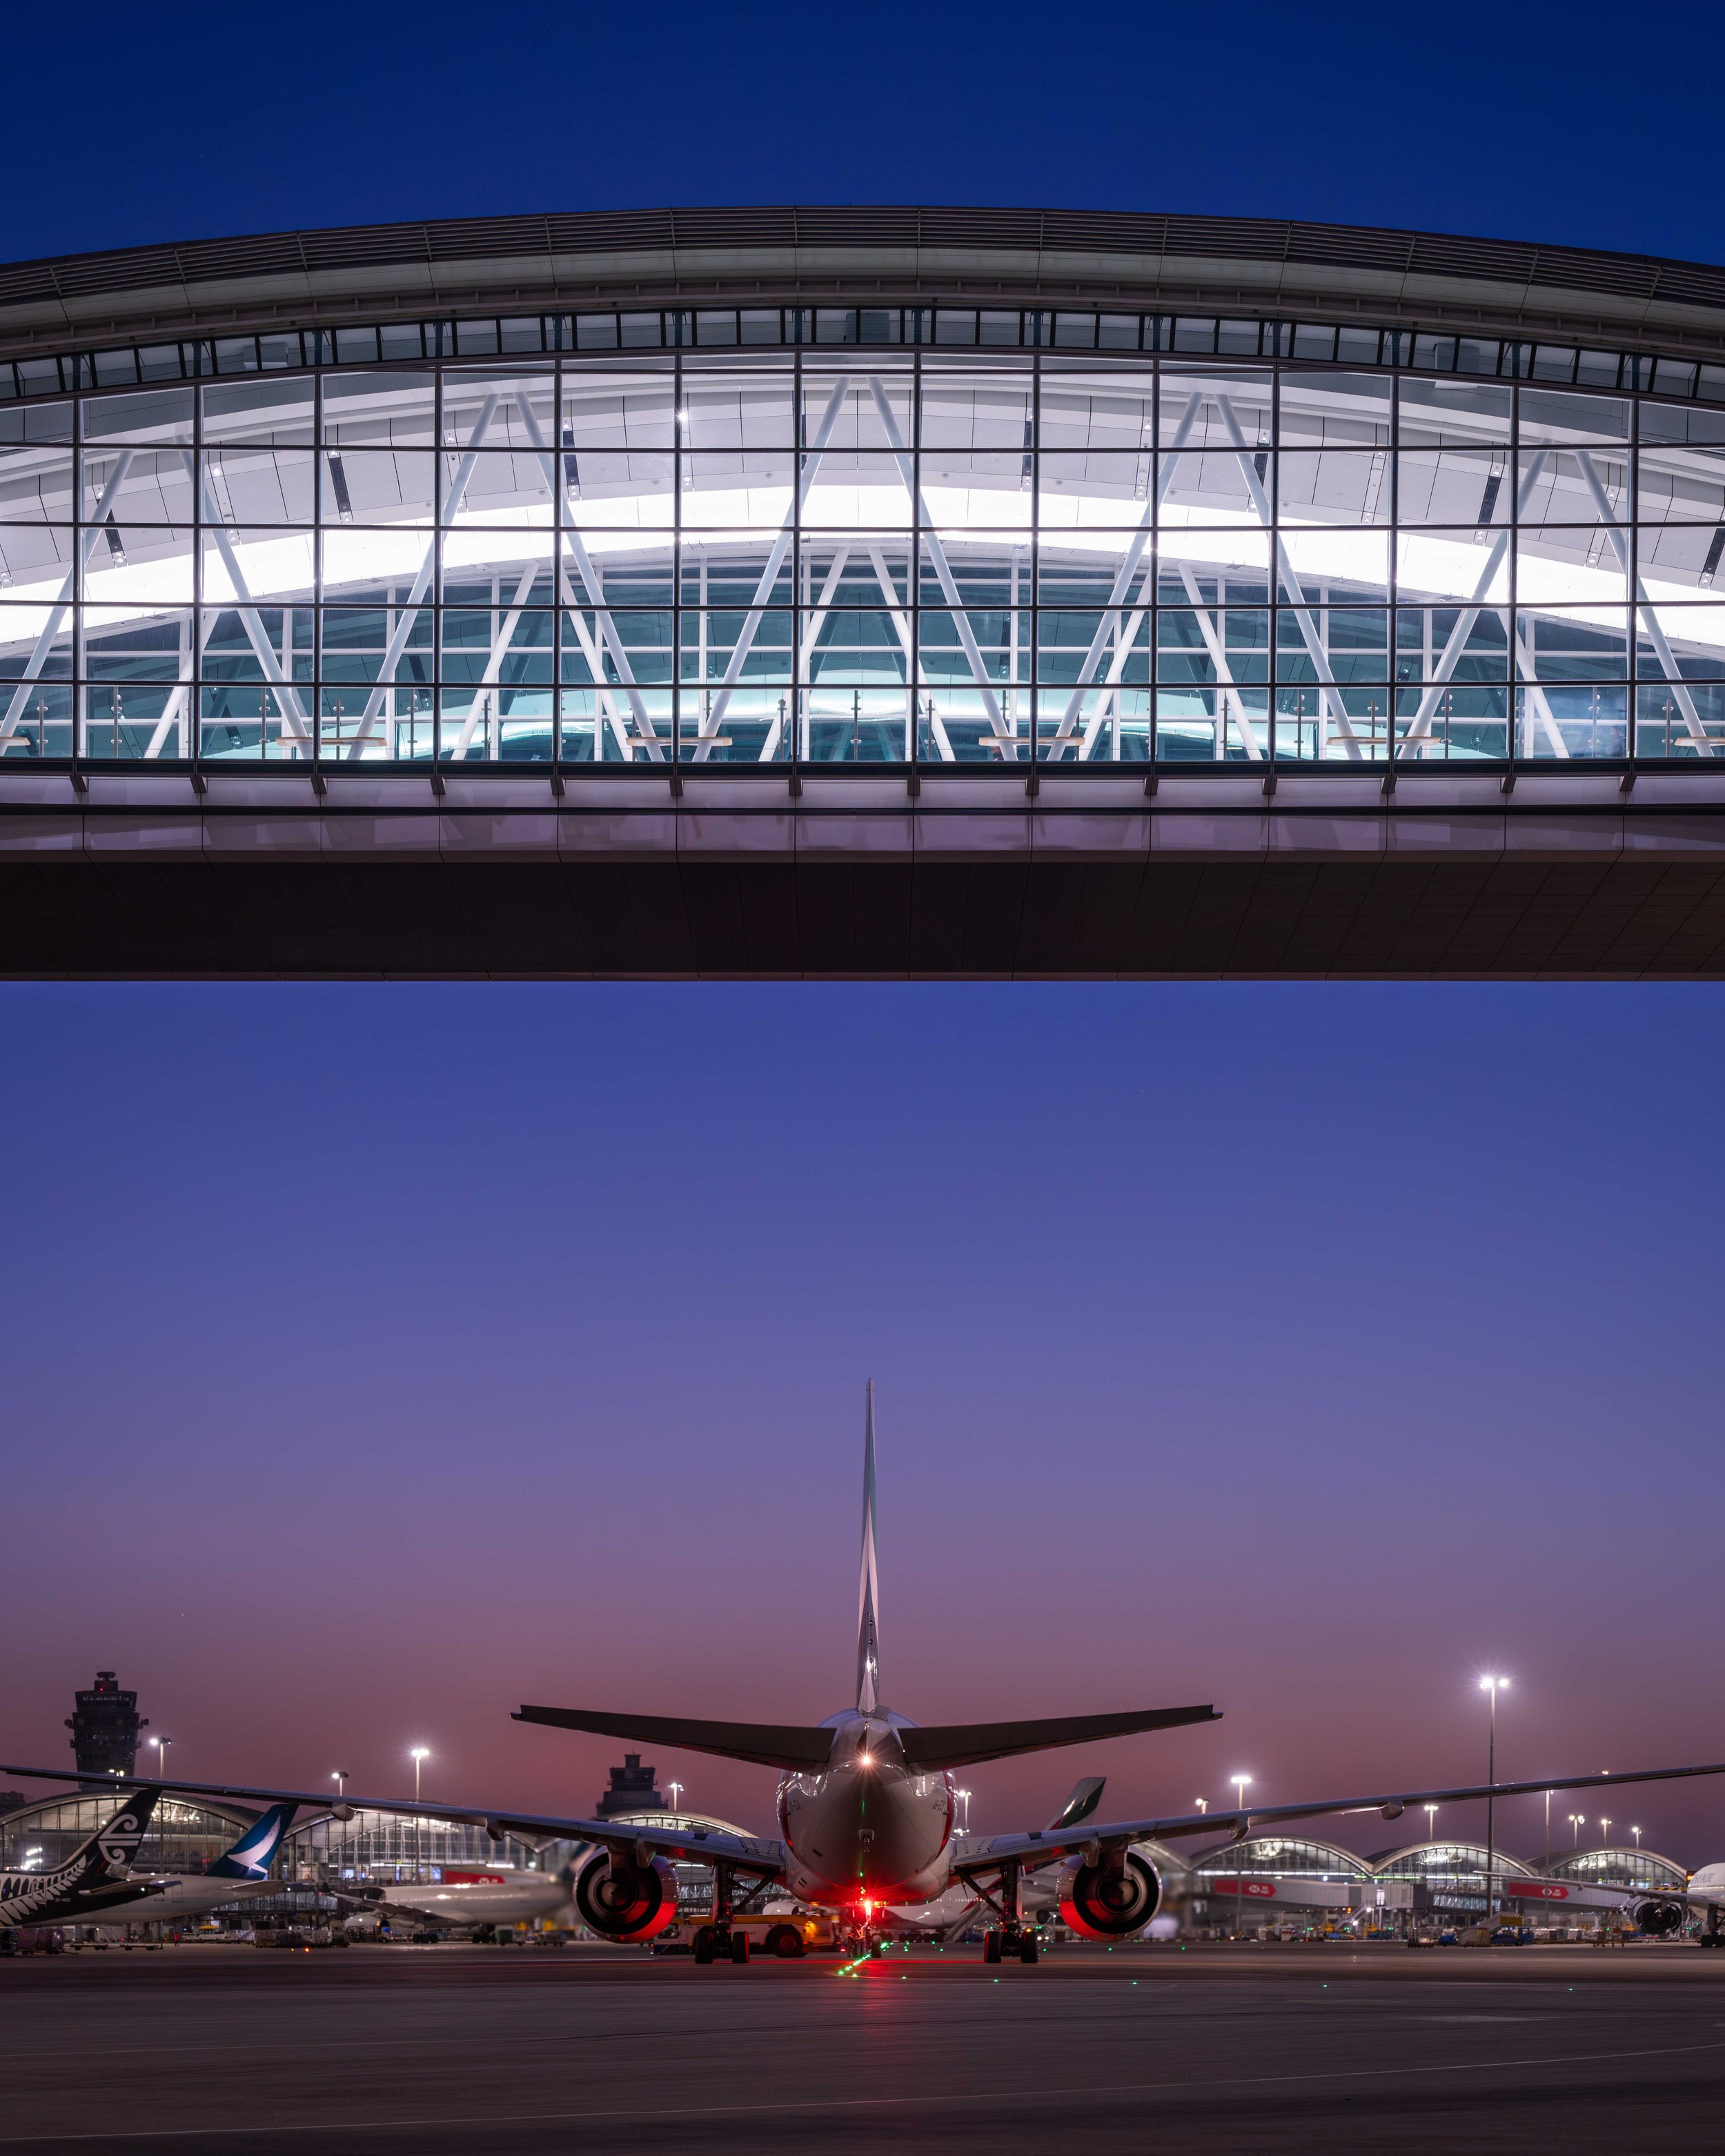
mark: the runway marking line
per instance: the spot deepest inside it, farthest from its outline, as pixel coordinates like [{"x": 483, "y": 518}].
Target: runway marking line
[{"x": 851, "y": 2103}]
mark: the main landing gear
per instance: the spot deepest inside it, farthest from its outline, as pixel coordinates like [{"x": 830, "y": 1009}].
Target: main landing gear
[
  {"x": 717, "y": 1941},
  {"x": 1011, "y": 1941}
]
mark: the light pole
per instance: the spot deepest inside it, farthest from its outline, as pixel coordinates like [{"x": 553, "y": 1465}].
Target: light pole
[
  {"x": 340, "y": 1778},
  {"x": 161, "y": 1745},
  {"x": 1431, "y": 1813},
  {"x": 421, "y": 1753},
  {"x": 1491, "y": 1686},
  {"x": 1202, "y": 1803},
  {"x": 1241, "y": 1783},
  {"x": 1547, "y": 1829},
  {"x": 963, "y": 1795},
  {"x": 1637, "y": 1831},
  {"x": 1605, "y": 1831},
  {"x": 1576, "y": 1823},
  {"x": 676, "y": 1790}
]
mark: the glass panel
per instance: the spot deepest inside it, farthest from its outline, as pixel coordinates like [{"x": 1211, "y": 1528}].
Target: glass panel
[
  {"x": 1559, "y": 417},
  {"x": 1560, "y": 722},
  {"x": 1589, "y": 643},
  {"x": 496, "y": 674},
  {"x": 1454, "y": 485},
  {"x": 36, "y": 696},
  {"x": 484, "y": 486},
  {"x": 279, "y": 414},
  {"x": 1334, "y": 486},
  {"x": 1450, "y": 414},
  {"x": 368, "y": 410},
  {"x": 729, "y": 409},
  {"x": 1082, "y": 489},
  {"x": 607, "y": 412},
  {"x": 1578, "y": 486},
  {"x": 1452, "y": 722},
  {"x": 1334, "y": 411},
  {"x": 1561, "y": 565},
  {"x": 256, "y": 484},
  {"x": 1469, "y": 566},
  {"x": 379, "y": 487},
  {"x": 748, "y": 489},
  {"x": 132, "y": 486},
  {"x": 154, "y": 417},
  {"x": 1340, "y": 723},
  {"x": 1682, "y": 722},
  {"x": 1212, "y": 725},
  {"x": 35, "y": 486}
]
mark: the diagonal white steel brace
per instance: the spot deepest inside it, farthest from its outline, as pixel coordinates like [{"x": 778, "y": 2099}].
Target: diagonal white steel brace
[
  {"x": 174, "y": 711},
  {"x": 1656, "y": 632},
  {"x": 494, "y": 662},
  {"x": 287, "y": 696},
  {"x": 937, "y": 559},
  {"x": 596, "y": 597},
  {"x": 1122, "y": 582},
  {"x": 809, "y": 463},
  {"x": 415, "y": 593},
  {"x": 817, "y": 621},
  {"x": 57, "y": 613},
  {"x": 916, "y": 680},
  {"x": 1420, "y": 726},
  {"x": 1315, "y": 650}
]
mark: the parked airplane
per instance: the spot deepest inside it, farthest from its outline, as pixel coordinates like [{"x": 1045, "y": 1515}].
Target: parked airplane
[
  {"x": 94, "y": 1879},
  {"x": 237, "y": 1874},
  {"x": 865, "y": 1810}
]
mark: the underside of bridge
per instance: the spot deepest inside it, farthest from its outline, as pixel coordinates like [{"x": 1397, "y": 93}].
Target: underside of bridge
[{"x": 1208, "y": 879}]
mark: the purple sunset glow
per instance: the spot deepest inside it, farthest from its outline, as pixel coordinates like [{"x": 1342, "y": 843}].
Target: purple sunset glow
[{"x": 379, "y": 1358}]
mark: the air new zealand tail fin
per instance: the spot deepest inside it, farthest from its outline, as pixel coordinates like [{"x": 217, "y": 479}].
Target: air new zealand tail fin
[
  {"x": 867, "y": 1635},
  {"x": 252, "y": 1854},
  {"x": 112, "y": 1850}
]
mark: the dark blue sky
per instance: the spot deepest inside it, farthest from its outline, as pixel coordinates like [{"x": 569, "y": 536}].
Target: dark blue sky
[
  {"x": 376, "y": 1359},
  {"x": 1578, "y": 123}
]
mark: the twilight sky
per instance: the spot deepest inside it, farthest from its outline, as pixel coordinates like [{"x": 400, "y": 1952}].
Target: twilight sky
[{"x": 377, "y": 1358}]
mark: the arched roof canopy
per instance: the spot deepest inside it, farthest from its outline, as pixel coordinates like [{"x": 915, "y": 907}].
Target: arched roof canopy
[
  {"x": 1285, "y": 1856},
  {"x": 1619, "y": 1867},
  {"x": 1422, "y": 1859},
  {"x": 183, "y": 1835}
]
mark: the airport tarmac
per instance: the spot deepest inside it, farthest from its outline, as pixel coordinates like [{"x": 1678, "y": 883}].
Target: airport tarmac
[{"x": 455, "y": 2051}]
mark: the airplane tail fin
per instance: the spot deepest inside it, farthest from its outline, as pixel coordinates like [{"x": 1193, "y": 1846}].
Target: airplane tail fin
[
  {"x": 112, "y": 1850},
  {"x": 868, "y": 1636},
  {"x": 252, "y": 1854}
]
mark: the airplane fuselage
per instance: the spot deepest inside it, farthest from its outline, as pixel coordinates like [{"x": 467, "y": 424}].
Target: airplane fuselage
[{"x": 866, "y": 1827}]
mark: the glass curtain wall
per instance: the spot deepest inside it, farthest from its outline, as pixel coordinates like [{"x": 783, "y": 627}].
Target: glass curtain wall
[{"x": 838, "y": 556}]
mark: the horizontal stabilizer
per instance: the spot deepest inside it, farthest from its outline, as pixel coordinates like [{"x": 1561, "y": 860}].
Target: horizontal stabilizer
[
  {"x": 967, "y": 1744},
  {"x": 786, "y": 1746}
]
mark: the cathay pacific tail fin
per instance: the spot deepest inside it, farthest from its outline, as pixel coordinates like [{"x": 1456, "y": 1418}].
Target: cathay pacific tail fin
[
  {"x": 252, "y": 1854},
  {"x": 868, "y": 1635}
]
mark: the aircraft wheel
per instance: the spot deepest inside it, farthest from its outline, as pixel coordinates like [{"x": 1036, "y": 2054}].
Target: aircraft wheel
[
  {"x": 739, "y": 1946},
  {"x": 1027, "y": 1950},
  {"x": 991, "y": 1946},
  {"x": 704, "y": 1948}
]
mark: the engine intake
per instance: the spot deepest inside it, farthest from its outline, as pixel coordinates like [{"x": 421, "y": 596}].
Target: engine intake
[
  {"x": 1107, "y": 1903},
  {"x": 1659, "y": 1920},
  {"x": 623, "y": 1901}
]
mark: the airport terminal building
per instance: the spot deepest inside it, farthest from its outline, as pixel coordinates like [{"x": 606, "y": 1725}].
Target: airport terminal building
[{"x": 861, "y": 592}]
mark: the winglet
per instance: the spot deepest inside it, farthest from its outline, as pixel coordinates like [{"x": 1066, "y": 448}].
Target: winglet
[
  {"x": 868, "y": 1637},
  {"x": 1085, "y": 1796}
]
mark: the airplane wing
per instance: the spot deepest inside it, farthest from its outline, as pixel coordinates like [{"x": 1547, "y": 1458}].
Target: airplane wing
[
  {"x": 1049, "y": 1844},
  {"x": 694, "y": 1845}
]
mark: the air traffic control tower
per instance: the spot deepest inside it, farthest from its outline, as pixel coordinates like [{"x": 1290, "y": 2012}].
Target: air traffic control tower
[
  {"x": 104, "y": 1729},
  {"x": 862, "y": 591}
]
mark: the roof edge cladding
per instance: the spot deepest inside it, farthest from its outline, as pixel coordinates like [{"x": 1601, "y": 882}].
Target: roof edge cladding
[{"x": 1432, "y": 280}]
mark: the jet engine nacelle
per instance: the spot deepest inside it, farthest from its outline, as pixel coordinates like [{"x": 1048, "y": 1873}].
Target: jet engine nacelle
[
  {"x": 1659, "y": 1920},
  {"x": 1101, "y": 1903},
  {"x": 621, "y": 1900}
]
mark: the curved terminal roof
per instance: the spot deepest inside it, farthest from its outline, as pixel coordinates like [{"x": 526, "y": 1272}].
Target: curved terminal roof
[
  {"x": 1445, "y": 1858},
  {"x": 1286, "y": 1855},
  {"x": 744, "y": 255},
  {"x": 1619, "y": 1867}
]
